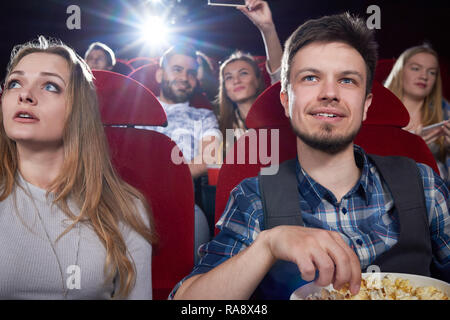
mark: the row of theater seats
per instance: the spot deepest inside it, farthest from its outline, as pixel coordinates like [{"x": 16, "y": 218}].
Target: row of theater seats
[{"x": 143, "y": 158}]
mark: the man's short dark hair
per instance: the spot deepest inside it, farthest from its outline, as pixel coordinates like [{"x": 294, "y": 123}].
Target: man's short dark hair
[
  {"x": 109, "y": 53},
  {"x": 344, "y": 28},
  {"x": 183, "y": 49}
]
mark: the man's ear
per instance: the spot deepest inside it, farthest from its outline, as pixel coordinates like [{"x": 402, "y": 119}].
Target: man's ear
[
  {"x": 159, "y": 75},
  {"x": 367, "y": 104},
  {"x": 284, "y": 98}
]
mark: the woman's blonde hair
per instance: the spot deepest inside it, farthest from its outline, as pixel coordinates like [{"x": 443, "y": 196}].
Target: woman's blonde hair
[
  {"x": 227, "y": 116},
  {"x": 431, "y": 110},
  {"x": 87, "y": 176}
]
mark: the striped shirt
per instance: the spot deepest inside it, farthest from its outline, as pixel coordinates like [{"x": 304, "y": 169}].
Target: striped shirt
[{"x": 365, "y": 217}]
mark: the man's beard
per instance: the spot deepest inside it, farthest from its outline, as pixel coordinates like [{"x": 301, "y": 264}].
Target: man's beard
[
  {"x": 324, "y": 141},
  {"x": 172, "y": 95}
]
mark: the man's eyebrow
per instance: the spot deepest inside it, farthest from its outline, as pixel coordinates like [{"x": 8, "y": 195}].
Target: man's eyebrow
[
  {"x": 51, "y": 74},
  {"x": 352, "y": 72},
  {"x": 312, "y": 70}
]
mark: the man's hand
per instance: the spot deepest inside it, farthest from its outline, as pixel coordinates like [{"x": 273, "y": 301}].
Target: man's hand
[{"x": 316, "y": 250}]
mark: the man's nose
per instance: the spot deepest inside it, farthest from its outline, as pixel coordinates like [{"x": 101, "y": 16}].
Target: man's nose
[{"x": 329, "y": 91}]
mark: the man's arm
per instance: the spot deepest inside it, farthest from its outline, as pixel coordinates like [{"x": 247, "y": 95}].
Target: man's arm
[
  {"x": 438, "y": 204},
  {"x": 311, "y": 249},
  {"x": 209, "y": 147}
]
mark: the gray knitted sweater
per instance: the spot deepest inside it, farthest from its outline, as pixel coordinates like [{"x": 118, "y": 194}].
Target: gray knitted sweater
[{"x": 29, "y": 268}]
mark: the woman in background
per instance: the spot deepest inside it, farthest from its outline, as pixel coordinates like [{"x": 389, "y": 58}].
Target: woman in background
[
  {"x": 70, "y": 228},
  {"x": 415, "y": 79},
  {"x": 241, "y": 80}
]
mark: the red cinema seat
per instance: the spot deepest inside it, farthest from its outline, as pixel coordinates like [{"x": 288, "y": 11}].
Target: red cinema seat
[
  {"x": 122, "y": 67},
  {"x": 146, "y": 76},
  {"x": 141, "y": 61},
  {"x": 124, "y": 101},
  {"x": 261, "y": 61},
  {"x": 381, "y": 133},
  {"x": 265, "y": 119},
  {"x": 382, "y": 69},
  {"x": 143, "y": 158}
]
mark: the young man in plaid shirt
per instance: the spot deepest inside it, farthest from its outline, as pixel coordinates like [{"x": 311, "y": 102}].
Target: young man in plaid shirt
[{"x": 348, "y": 218}]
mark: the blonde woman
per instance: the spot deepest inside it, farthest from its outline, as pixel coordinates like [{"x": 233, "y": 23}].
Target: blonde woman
[
  {"x": 70, "y": 227},
  {"x": 415, "y": 79}
]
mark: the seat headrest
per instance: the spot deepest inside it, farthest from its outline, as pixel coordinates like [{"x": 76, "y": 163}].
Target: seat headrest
[
  {"x": 146, "y": 75},
  {"x": 267, "y": 110},
  {"x": 386, "y": 109},
  {"x": 124, "y": 101}
]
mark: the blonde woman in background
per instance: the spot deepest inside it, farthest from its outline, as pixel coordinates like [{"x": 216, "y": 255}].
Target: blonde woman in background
[
  {"x": 415, "y": 79},
  {"x": 70, "y": 228}
]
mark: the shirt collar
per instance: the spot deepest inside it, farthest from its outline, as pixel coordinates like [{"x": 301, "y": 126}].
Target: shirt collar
[
  {"x": 166, "y": 105},
  {"x": 313, "y": 192}
]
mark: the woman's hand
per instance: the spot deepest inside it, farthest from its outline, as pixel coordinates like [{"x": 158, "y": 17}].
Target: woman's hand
[
  {"x": 259, "y": 13},
  {"x": 430, "y": 136},
  {"x": 446, "y": 133}
]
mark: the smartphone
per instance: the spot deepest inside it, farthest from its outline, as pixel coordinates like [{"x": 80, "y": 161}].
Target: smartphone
[
  {"x": 228, "y": 3},
  {"x": 433, "y": 126}
]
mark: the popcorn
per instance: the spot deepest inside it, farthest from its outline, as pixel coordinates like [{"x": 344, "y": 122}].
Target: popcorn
[{"x": 376, "y": 288}]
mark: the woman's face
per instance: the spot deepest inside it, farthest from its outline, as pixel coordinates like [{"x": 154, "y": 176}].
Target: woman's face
[
  {"x": 240, "y": 80},
  {"x": 96, "y": 59},
  {"x": 35, "y": 99},
  {"x": 419, "y": 75}
]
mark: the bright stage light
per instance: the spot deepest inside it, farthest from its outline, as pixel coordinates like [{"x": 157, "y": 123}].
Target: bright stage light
[{"x": 154, "y": 31}]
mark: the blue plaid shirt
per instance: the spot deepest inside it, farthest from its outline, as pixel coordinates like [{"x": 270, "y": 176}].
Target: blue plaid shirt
[{"x": 365, "y": 217}]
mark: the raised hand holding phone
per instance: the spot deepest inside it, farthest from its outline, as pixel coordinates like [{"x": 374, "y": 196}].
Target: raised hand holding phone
[{"x": 227, "y": 3}]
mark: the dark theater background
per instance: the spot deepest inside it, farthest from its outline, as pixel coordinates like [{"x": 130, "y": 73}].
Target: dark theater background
[{"x": 217, "y": 31}]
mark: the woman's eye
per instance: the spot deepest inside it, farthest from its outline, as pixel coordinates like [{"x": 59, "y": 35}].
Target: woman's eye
[
  {"x": 51, "y": 87},
  {"x": 13, "y": 84}
]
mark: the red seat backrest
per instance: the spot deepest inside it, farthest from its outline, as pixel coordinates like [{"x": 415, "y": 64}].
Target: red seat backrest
[
  {"x": 122, "y": 67},
  {"x": 124, "y": 101},
  {"x": 143, "y": 159},
  {"x": 380, "y": 133},
  {"x": 146, "y": 76},
  {"x": 382, "y": 69},
  {"x": 141, "y": 61}
]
